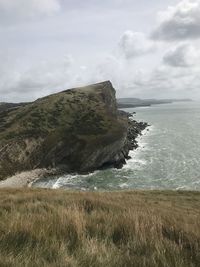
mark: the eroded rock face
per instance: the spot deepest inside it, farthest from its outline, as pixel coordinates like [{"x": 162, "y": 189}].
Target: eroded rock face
[{"x": 78, "y": 130}]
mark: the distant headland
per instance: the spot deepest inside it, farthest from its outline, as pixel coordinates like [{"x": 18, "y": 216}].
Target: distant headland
[{"x": 137, "y": 102}]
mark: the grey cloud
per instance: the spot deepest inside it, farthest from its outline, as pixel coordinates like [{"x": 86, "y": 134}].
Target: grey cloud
[
  {"x": 89, "y": 31},
  {"x": 38, "y": 80},
  {"x": 179, "y": 22},
  {"x": 20, "y": 10},
  {"x": 182, "y": 56},
  {"x": 48, "y": 77},
  {"x": 134, "y": 44},
  {"x": 166, "y": 82}
]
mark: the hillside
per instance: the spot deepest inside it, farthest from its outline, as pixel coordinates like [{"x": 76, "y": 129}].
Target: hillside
[
  {"x": 78, "y": 130},
  {"x": 51, "y": 228}
]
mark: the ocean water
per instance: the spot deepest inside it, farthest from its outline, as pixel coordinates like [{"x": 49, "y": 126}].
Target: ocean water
[{"x": 168, "y": 156}]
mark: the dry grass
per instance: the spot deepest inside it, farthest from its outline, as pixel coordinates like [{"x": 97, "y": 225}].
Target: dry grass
[{"x": 60, "y": 228}]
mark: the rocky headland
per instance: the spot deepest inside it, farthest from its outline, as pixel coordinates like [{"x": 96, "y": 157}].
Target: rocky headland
[{"x": 77, "y": 130}]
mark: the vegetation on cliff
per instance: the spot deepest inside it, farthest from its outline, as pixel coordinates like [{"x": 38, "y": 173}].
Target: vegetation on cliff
[
  {"x": 79, "y": 129},
  {"x": 125, "y": 229}
]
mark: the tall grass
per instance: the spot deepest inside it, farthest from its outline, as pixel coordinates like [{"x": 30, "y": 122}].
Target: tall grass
[{"x": 63, "y": 229}]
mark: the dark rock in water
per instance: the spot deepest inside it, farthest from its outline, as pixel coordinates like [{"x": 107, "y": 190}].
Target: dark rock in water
[{"x": 78, "y": 130}]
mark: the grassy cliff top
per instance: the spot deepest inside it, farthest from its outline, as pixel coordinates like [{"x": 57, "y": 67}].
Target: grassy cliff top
[
  {"x": 124, "y": 229},
  {"x": 76, "y": 128},
  {"x": 71, "y": 110}
]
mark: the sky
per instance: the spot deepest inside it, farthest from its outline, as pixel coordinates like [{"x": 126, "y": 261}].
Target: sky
[{"x": 147, "y": 49}]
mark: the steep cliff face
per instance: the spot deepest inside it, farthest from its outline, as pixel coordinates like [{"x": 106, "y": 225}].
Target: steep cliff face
[{"x": 79, "y": 130}]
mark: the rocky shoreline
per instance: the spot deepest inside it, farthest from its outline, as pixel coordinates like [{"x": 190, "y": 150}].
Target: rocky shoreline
[{"x": 134, "y": 129}]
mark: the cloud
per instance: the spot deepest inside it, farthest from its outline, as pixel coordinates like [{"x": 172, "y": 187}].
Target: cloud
[
  {"x": 134, "y": 69},
  {"x": 165, "y": 82},
  {"x": 35, "y": 81},
  {"x": 19, "y": 10},
  {"x": 182, "y": 56},
  {"x": 134, "y": 44},
  {"x": 180, "y": 22}
]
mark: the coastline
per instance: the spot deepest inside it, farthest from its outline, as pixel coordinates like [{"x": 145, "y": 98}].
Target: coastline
[{"x": 27, "y": 178}]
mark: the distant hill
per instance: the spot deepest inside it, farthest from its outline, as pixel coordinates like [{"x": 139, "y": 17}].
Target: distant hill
[
  {"x": 137, "y": 102},
  {"x": 4, "y": 106}
]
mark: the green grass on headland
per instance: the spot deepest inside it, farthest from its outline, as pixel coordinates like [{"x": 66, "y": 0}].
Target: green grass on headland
[{"x": 123, "y": 229}]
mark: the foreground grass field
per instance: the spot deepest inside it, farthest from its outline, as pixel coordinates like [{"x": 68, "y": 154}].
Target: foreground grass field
[{"x": 60, "y": 228}]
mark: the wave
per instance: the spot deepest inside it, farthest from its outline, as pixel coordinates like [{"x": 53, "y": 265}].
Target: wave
[
  {"x": 136, "y": 161},
  {"x": 70, "y": 180}
]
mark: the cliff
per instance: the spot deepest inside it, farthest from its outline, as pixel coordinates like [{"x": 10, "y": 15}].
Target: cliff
[{"x": 78, "y": 130}]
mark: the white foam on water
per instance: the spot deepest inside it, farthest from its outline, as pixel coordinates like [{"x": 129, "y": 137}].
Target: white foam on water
[
  {"x": 70, "y": 179},
  {"x": 182, "y": 188},
  {"x": 196, "y": 182},
  {"x": 63, "y": 180},
  {"x": 136, "y": 162},
  {"x": 57, "y": 184},
  {"x": 124, "y": 186}
]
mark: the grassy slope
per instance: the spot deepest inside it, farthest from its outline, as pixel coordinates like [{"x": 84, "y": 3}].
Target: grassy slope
[
  {"x": 66, "y": 110},
  {"x": 60, "y": 228},
  {"x": 80, "y": 120}
]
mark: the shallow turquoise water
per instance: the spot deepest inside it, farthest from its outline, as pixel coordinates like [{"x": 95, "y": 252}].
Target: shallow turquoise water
[{"x": 168, "y": 156}]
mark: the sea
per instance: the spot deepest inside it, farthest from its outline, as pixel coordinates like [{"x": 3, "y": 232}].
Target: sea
[{"x": 168, "y": 157}]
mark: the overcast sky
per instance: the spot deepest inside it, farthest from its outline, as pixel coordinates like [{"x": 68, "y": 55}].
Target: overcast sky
[{"x": 147, "y": 49}]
